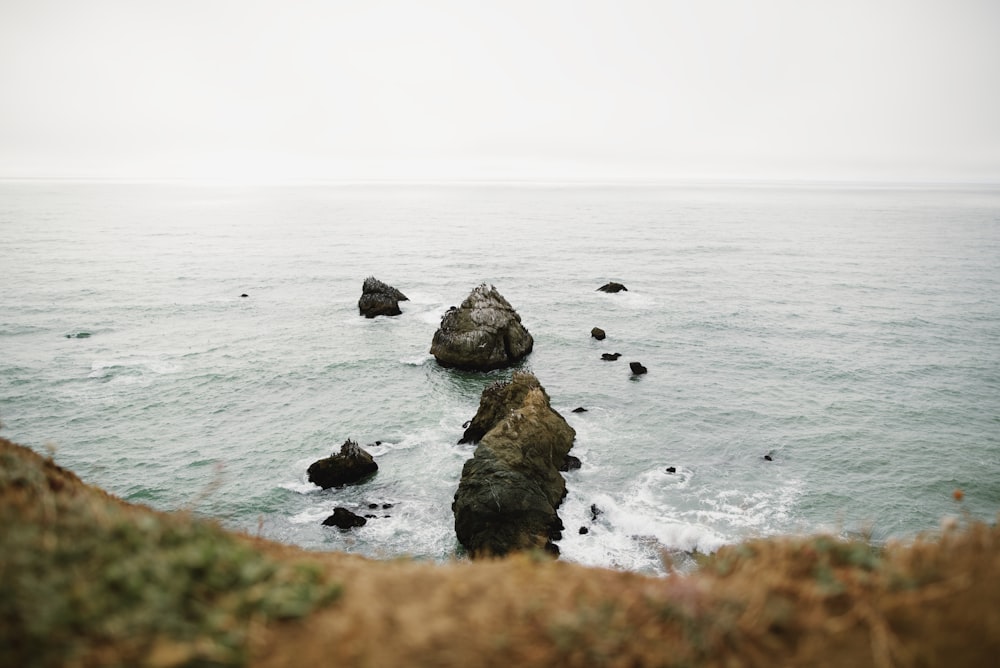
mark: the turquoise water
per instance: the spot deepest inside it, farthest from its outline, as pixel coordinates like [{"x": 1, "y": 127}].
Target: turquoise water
[{"x": 852, "y": 333}]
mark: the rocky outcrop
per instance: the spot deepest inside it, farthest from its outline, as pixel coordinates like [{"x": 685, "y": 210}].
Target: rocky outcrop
[
  {"x": 510, "y": 489},
  {"x": 352, "y": 465},
  {"x": 612, "y": 287},
  {"x": 377, "y": 298},
  {"x": 344, "y": 519},
  {"x": 483, "y": 333}
]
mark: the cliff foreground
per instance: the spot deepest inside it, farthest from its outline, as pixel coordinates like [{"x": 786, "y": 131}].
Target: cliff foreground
[{"x": 87, "y": 579}]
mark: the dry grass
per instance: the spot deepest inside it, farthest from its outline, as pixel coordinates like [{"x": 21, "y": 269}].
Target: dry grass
[{"x": 796, "y": 601}]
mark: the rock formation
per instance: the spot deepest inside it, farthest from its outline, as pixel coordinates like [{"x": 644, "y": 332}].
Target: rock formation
[
  {"x": 352, "y": 465},
  {"x": 510, "y": 489},
  {"x": 612, "y": 287},
  {"x": 637, "y": 368},
  {"x": 377, "y": 298},
  {"x": 344, "y": 519},
  {"x": 483, "y": 333}
]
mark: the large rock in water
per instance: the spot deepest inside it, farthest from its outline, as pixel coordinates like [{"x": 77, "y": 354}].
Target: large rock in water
[
  {"x": 377, "y": 298},
  {"x": 484, "y": 333},
  {"x": 352, "y": 465},
  {"x": 510, "y": 489}
]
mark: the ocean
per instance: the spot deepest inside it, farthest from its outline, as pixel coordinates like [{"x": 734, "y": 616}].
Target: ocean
[{"x": 850, "y": 333}]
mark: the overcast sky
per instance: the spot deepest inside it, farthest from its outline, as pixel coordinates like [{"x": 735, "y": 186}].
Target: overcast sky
[{"x": 842, "y": 89}]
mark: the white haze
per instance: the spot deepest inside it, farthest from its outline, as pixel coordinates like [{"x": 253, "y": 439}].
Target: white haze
[{"x": 275, "y": 90}]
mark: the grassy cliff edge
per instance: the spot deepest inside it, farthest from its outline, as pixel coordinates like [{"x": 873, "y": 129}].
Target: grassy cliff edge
[{"x": 87, "y": 579}]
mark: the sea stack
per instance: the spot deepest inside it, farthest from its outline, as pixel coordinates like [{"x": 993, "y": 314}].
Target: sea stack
[
  {"x": 482, "y": 334},
  {"x": 510, "y": 489},
  {"x": 350, "y": 466},
  {"x": 377, "y": 298}
]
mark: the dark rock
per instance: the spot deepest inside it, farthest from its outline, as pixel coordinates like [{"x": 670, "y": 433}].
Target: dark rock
[
  {"x": 386, "y": 506},
  {"x": 371, "y": 517},
  {"x": 598, "y": 333},
  {"x": 594, "y": 511},
  {"x": 372, "y": 506},
  {"x": 769, "y": 458},
  {"x": 511, "y": 487},
  {"x": 637, "y": 368},
  {"x": 610, "y": 357},
  {"x": 584, "y": 531},
  {"x": 484, "y": 333},
  {"x": 350, "y": 466},
  {"x": 612, "y": 287},
  {"x": 579, "y": 409},
  {"x": 671, "y": 469},
  {"x": 495, "y": 405},
  {"x": 570, "y": 463},
  {"x": 344, "y": 519},
  {"x": 377, "y": 298},
  {"x": 78, "y": 335},
  {"x": 244, "y": 295}
]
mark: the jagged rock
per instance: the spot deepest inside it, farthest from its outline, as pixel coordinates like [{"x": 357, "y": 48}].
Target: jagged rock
[
  {"x": 483, "y": 333},
  {"x": 612, "y": 287},
  {"x": 352, "y": 465},
  {"x": 511, "y": 487},
  {"x": 610, "y": 357},
  {"x": 344, "y": 519},
  {"x": 598, "y": 333},
  {"x": 495, "y": 404},
  {"x": 377, "y": 298},
  {"x": 637, "y": 368}
]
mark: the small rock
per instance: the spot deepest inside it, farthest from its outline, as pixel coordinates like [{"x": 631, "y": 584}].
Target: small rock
[
  {"x": 612, "y": 287},
  {"x": 598, "y": 333},
  {"x": 579, "y": 409},
  {"x": 350, "y": 466},
  {"x": 671, "y": 469},
  {"x": 637, "y": 368},
  {"x": 610, "y": 357},
  {"x": 594, "y": 511},
  {"x": 768, "y": 458},
  {"x": 570, "y": 463},
  {"x": 584, "y": 531},
  {"x": 344, "y": 519},
  {"x": 244, "y": 295}
]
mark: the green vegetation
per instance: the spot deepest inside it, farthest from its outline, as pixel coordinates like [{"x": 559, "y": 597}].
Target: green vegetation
[{"x": 84, "y": 578}]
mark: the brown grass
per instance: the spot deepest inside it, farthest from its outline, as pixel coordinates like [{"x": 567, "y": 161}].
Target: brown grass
[{"x": 812, "y": 601}]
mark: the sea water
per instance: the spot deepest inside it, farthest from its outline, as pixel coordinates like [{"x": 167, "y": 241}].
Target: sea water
[{"x": 821, "y": 357}]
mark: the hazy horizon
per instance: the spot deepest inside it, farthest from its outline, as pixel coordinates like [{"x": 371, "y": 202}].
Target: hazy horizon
[{"x": 895, "y": 91}]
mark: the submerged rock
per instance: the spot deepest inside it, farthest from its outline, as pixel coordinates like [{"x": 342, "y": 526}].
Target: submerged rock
[
  {"x": 579, "y": 409},
  {"x": 344, "y": 519},
  {"x": 612, "y": 287},
  {"x": 510, "y": 489},
  {"x": 377, "y": 298},
  {"x": 351, "y": 465},
  {"x": 482, "y": 334}
]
